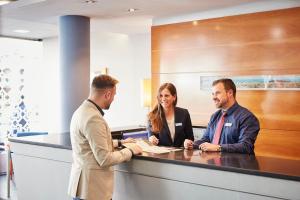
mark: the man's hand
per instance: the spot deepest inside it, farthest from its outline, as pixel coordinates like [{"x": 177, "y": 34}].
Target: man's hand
[
  {"x": 136, "y": 149},
  {"x": 209, "y": 147},
  {"x": 153, "y": 140},
  {"x": 188, "y": 144}
]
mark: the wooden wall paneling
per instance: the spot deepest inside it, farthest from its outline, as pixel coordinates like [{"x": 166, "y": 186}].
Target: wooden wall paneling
[
  {"x": 274, "y": 58},
  {"x": 263, "y": 27},
  {"x": 266, "y": 43},
  {"x": 260, "y": 41},
  {"x": 278, "y": 143},
  {"x": 279, "y": 110}
]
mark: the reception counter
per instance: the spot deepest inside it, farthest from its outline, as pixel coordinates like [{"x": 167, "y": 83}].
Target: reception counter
[{"x": 42, "y": 165}]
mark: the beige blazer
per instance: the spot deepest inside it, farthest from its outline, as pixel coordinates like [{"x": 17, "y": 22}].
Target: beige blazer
[{"x": 92, "y": 173}]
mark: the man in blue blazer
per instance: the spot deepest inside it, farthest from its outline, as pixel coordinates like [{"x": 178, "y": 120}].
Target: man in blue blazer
[{"x": 232, "y": 128}]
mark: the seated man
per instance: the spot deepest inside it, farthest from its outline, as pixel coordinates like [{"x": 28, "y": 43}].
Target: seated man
[{"x": 232, "y": 128}]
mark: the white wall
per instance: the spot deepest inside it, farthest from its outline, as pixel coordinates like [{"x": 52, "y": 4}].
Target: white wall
[
  {"x": 50, "y": 87},
  {"x": 128, "y": 59}
]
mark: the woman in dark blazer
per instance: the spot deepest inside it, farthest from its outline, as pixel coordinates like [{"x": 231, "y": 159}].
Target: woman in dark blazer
[{"x": 169, "y": 125}]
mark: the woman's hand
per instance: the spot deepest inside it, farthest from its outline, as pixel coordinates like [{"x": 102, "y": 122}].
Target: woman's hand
[
  {"x": 153, "y": 140},
  {"x": 188, "y": 144}
]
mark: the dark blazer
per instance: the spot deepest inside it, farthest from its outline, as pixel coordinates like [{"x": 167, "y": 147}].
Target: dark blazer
[{"x": 183, "y": 129}]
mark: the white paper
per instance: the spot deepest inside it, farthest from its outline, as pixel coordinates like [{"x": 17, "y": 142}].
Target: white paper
[{"x": 152, "y": 148}]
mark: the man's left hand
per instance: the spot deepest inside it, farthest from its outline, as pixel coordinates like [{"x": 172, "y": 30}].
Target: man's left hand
[{"x": 209, "y": 147}]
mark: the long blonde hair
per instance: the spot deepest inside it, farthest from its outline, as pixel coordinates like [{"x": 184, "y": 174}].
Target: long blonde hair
[{"x": 157, "y": 114}]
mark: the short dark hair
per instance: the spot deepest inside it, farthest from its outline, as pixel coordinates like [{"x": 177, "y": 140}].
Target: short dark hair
[
  {"x": 228, "y": 84},
  {"x": 104, "y": 81}
]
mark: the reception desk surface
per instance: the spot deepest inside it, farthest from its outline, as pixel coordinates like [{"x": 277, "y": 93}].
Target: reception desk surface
[{"x": 239, "y": 163}]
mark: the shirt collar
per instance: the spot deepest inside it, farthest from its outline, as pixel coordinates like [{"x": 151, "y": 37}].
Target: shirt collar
[
  {"x": 100, "y": 110},
  {"x": 232, "y": 108}
]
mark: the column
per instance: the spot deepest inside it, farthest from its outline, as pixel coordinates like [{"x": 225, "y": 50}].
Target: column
[{"x": 74, "y": 33}]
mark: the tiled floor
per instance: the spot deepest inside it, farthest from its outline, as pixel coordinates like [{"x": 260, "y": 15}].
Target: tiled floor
[{"x": 3, "y": 189}]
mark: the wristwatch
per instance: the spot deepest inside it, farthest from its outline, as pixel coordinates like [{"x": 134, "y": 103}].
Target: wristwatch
[
  {"x": 219, "y": 148},
  {"x": 119, "y": 143}
]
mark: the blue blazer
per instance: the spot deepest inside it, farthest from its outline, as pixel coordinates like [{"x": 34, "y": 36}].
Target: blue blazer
[
  {"x": 183, "y": 129},
  {"x": 238, "y": 133}
]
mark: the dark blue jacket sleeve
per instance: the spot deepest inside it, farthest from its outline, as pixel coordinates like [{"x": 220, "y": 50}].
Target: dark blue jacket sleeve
[
  {"x": 249, "y": 128},
  {"x": 205, "y": 137},
  {"x": 188, "y": 129}
]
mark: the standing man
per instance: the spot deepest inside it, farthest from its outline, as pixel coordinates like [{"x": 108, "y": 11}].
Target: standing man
[
  {"x": 232, "y": 128},
  {"x": 92, "y": 173}
]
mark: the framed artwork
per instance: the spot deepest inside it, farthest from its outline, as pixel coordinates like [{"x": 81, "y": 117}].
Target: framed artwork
[{"x": 259, "y": 82}]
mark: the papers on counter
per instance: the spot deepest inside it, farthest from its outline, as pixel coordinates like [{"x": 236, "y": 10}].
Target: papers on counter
[{"x": 152, "y": 148}]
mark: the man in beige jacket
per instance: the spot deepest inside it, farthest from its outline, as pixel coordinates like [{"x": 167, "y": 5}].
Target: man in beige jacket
[{"x": 92, "y": 173}]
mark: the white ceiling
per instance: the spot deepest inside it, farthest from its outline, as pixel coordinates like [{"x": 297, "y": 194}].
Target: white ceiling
[{"x": 41, "y": 16}]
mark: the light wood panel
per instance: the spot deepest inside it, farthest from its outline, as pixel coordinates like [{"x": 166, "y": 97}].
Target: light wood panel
[
  {"x": 266, "y": 43},
  {"x": 278, "y": 143},
  {"x": 277, "y": 110},
  {"x": 262, "y": 58},
  {"x": 255, "y": 28}
]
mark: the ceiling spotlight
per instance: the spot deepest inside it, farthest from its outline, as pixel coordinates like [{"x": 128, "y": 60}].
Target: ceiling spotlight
[
  {"x": 90, "y": 1},
  {"x": 132, "y": 9},
  {"x": 21, "y": 31},
  {"x": 3, "y": 2}
]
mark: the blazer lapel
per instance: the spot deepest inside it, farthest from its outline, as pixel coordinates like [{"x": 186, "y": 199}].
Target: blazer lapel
[
  {"x": 166, "y": 127},
  {"x": 177, "y": 120}
]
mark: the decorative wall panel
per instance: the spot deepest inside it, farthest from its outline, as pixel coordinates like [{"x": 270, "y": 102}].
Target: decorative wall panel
[{"x": 18, "y": 109}]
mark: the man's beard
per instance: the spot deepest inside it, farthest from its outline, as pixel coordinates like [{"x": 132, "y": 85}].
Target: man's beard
[
  {"x": 107, "y": 105},
  {"x": 220, "y": 104}
]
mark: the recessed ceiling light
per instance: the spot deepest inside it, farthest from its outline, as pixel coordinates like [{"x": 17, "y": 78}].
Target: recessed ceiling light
[
  {"x": 2, "y": 2},
  {"x": 90, "y": 1},
  {"x": 21, "y": 31},
  {"x": 132, "y": 9}
]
